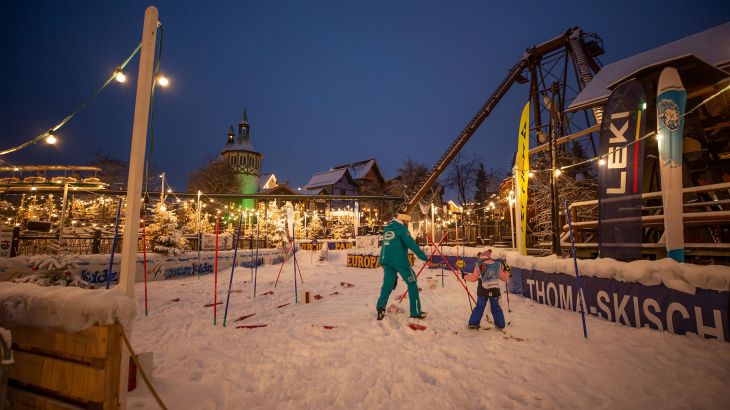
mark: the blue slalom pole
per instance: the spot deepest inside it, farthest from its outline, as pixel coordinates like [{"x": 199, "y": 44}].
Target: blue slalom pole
[
  {"x": 114, "y": 245},
  {"x": 577, "y": 275},
  {"x": 256, "y": 258},
  {"x": 294, "y": 250},
  {"x": 233, "y": 267}
]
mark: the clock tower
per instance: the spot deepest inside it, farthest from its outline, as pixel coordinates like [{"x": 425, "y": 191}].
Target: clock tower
[{"x": 240, "y": 155}]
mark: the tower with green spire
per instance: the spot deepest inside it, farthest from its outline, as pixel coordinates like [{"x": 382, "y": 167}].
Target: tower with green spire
[{"x": 240, "y": 155}]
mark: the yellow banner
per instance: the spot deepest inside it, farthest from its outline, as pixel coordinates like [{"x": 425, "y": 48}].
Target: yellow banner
[
  {"x": 522, "y": 163},
  {"x": 370, "y": 261}
]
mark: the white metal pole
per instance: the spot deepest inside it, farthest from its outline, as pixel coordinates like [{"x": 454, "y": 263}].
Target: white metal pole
[
  {"x": 134, "y": 180},
  {"x": 512, "y": 221},
  {"x": 200, "y": 231},
  {"x": 62, "y": 220},
  {"x": 162, "y": 190}
]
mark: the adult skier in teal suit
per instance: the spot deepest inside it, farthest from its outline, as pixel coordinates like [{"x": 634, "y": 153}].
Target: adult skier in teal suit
[{"x": 394, "y": 259}]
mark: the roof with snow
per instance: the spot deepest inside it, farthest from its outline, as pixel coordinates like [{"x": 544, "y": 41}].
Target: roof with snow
[
  {"x": 711, "y": 47},
  {"x": 240, "y": 145},
  {"x": 267, "y": 181},
  {"x": 326, "y": 178},
  {"x": 360, "y": 169}
]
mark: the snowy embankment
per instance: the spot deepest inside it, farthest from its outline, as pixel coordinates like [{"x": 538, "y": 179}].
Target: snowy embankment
[
  {"x": 295, "y": 362},
  {"x": 685, "y": 277},
  {"x": 67, "y": 307}
]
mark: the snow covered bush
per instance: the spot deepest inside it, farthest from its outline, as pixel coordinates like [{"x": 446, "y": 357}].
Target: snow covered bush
[
  {"x": 53, "y": 271},
  {"x": 163, "y": 233}
]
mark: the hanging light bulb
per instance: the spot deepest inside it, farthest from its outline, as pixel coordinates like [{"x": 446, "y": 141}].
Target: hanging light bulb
[
  {"x": 558, "y": 172},
  {"x": 601, "y": 162},
  {"x": 120, "y": 77},
  {"x": 162, "y": 80},
  {"x": 530, "y": 174},
  {"x": 51, "y": 139}
]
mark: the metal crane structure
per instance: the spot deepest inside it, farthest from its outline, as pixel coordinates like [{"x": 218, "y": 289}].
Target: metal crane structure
[{"x": 552, "y": 85}]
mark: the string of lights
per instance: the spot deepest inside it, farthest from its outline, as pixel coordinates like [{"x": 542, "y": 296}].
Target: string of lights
[{"x": 49, "y": 136}]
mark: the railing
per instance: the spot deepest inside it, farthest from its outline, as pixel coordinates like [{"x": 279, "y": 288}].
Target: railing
[
  {"x": 702, "y": 220},
  {"x": 46, "y": 244}
]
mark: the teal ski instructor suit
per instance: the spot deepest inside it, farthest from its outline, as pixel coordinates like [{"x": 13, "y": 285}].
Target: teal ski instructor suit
[{"x": 394, "y": 258}]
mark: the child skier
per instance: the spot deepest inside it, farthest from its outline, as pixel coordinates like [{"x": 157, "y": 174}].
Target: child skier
[{"x": 488, "y": 272}]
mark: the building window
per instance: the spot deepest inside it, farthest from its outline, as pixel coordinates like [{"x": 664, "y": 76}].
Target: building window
[{"x": 233, "y": 161}]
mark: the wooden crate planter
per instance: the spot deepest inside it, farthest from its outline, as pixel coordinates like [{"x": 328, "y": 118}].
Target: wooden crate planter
[{"x": 55, "y": 369}]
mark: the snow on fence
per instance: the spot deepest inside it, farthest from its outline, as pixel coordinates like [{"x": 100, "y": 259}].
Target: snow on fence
[
  {"x": 665, "y": 295},
  {"x": 94, "y": 268}
]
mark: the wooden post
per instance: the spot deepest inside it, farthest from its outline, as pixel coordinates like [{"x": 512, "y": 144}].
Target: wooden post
[{"x": 145, "y": 80}]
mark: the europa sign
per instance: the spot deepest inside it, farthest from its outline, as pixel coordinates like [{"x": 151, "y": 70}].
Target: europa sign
[{"x": 370, "y": 261}]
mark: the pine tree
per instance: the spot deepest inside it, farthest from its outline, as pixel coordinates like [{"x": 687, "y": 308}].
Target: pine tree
[
  {"x": 163, "y": 233},
  {"x": 343, "y": 228},
  {"x": 314, "y": 226}
]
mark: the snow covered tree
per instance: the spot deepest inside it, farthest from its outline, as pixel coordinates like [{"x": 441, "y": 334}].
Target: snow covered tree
[
  {"x": 163, "y": 233},
  {"x": 314, "y": 226},
  {"x": 273, "y": 223},
  {"x": 189, "y": 219},
  {"x": 343, "y": 228}
]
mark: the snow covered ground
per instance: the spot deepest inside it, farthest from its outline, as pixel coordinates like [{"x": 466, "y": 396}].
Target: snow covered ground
[{"x": 542, "y": 361}]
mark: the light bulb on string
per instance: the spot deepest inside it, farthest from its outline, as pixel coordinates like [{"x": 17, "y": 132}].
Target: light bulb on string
[
  {"x": 162, "y": 80},
  {"x": 51, "y": 139},
  {"x": 120, "y": 77},
  {"x": 601, "y": 162}
]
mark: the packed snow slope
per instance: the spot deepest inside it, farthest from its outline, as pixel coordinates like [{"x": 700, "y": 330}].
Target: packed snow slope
[{"x": 542, "y": 361}]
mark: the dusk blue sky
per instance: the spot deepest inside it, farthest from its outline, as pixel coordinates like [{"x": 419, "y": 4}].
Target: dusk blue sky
[{"x": 324, "y": 83}]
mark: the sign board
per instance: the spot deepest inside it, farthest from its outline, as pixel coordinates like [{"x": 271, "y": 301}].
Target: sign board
[{"x": 6, "y": 242}]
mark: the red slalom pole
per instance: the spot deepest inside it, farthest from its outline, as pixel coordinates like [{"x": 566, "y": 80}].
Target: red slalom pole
[
  {"x": 471, "y": 298},
  {"x": 144, "y": 263},
  {"x": 421, "y": 270},
  {"x": 215, "y": 269},
  {"x": 282, "y": 266}
]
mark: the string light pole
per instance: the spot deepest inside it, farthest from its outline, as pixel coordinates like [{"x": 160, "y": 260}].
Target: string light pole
[{"x": 136, "y": 167}]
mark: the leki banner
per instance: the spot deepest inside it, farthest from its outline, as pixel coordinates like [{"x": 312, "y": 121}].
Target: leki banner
[
  {"x": 522, "y": 164},
  {"x": 620, "y": 177},
  {"x": 670, "y": 103}
]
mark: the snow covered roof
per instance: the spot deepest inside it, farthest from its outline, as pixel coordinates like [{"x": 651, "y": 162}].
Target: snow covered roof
[
  {"x": 711, "y": 47},
  {"x": 267, "y": 181},
  {"x": 240, "y": 145},
  {"x": 326, "y": 178},
  {"x": 317, "y": 191},
  {"x": 360, "y": 169}
]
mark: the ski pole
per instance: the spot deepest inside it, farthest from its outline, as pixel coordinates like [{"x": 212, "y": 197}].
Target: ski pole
[
  {"x": 144, "y": 264},
  {"x": 215, "y": 269},
  {"x": 294, "y": 256},
  {"x": 256, "y": 258},
  {"x": 575, "y": 264},
  {"x": 288, "y": 249},
  {"x": 233, "y": 267},
  {"x": 471, "y": 298},
  {"x": 419, "y": 272}
]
